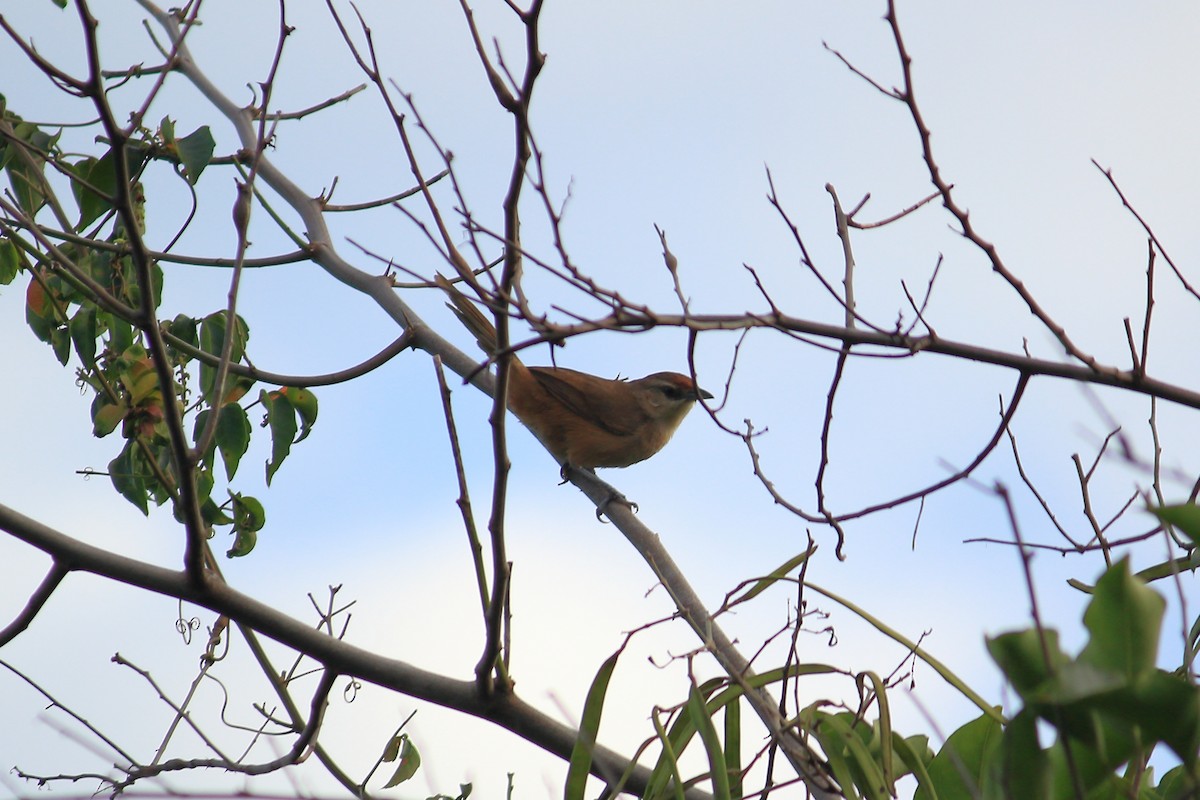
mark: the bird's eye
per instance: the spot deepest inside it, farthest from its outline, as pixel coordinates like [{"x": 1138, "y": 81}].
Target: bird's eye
[{"x": 672, "y": 392}]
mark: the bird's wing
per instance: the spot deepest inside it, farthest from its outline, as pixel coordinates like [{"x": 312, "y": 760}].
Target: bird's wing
[{"x": 591, "y": 406}]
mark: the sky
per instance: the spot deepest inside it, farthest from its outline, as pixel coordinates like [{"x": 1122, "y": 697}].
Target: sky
[{"x": 666, "y": 114}]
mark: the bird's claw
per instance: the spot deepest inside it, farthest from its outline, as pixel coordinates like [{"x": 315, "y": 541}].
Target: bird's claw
[{"x": 615, "y": 497}]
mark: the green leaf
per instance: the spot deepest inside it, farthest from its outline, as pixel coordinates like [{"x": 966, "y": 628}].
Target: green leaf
[
  {"x": 213, "y": 513},
  {"x": 96, "y": 181},
  {"x": 1019, "y": 656},
  {"x": 305, "y": 403},
  {"x": 844, "y": 735},
  {"x": 1178, "y": 785},
  {"x": 1185, "y": 517},
  {"x": 1164, "y": 706},
  {"x": 195, "y": 151},
  {"x": 281, "y": 417},
  {"x": 185, "y": 328},
  {"x": 1166, "y": 569},
  {"x": 126, "y": 474},
  {"x": 10, "y": 262},
  {"x": 233, "y": 436},
  {"x": 94, "y": 187},
  {"x": 410, "y": 759},
  {"x": 916, "y": 755},
  {"x": 882, "y": 741},
  {"x": 762, "y": 584},
  {"x": 26, "y": 165},
  {"x": 60, "y": 342},
  {"x": 1124, "y": 618},
  {"x": 585, "y": 742},
  {"x": 248, "y": 512},
  {"x": 961, "y": 766},
  {"x": 83, "y": 334},
  {"x": 106, "y": 416},
  {"x": 733, "y": 747},
  {"x": 1076, "y": 682},
  {"x": 248, "y": 519},
  {"x": 167, "y": 129},
  {"x": 212, "y": 341},
  {"x": 697, "y": 712},
  {"x": 120, "y": 333},
  {"x": 1026, "y": 771}
]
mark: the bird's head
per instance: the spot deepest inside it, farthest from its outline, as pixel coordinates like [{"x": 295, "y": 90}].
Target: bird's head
[{"x": 667, "y": 397}]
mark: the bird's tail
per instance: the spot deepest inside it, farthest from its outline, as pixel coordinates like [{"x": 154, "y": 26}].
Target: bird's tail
[{"x": 470, "y": 316}]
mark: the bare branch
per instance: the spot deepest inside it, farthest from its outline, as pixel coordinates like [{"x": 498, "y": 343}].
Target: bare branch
[{"x": 35, "y": 603}]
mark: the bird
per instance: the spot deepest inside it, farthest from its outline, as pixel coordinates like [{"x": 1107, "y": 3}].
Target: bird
[{"x": 586, "y": 421}]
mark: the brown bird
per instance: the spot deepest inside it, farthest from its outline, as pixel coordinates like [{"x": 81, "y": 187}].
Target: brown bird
[{"x": 584, "y": 420}]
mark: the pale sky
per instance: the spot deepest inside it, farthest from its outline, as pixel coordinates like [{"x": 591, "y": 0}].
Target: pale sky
[{"x": 667, "y": 114}]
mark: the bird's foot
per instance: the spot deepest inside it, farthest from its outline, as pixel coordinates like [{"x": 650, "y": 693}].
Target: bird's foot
[
  {"x": 618, "y": 498},
  {"x": 613, "y": 495}
]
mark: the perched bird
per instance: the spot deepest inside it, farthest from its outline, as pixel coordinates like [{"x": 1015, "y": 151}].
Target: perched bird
[{"x": 584, "y": 420}]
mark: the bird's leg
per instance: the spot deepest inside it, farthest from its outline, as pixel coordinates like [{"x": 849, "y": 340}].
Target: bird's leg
[{"x": 613, "y": 495}]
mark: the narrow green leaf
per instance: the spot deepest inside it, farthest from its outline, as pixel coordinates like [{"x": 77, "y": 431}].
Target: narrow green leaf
[
  {"x": 585, "y": 742},
  {"x": 837, "y": 734},
  {"x": 667, "y": 768},
  {"x": 911, "y": 646},
  {"x": 915, "y": 754},
  {"x": 682, "y": 730},
  {"x": 697, "y": 711},
  {"x": 733, "y": 746},
  {"x": 1166, "y": 569},
  {"x": 837, "y": 757},
  {"x": 764, "y": 583},
  {"x": 884, "y": 742}
]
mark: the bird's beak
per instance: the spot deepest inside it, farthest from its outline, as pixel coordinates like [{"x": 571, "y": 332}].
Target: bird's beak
[{"x": 701, "y": 393}]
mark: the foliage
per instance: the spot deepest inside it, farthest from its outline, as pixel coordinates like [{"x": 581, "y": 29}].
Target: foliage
[{"x": 88, "y": 297}]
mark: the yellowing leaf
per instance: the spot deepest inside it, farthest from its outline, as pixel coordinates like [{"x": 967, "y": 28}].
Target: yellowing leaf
[{"x": 410, "y": 759}]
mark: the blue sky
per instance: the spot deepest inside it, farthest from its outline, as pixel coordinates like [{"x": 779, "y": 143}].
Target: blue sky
[{"x": 665, "y": 115}]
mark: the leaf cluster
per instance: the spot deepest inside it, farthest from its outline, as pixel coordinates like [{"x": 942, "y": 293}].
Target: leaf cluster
[{"x": 84, "y": 297}]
